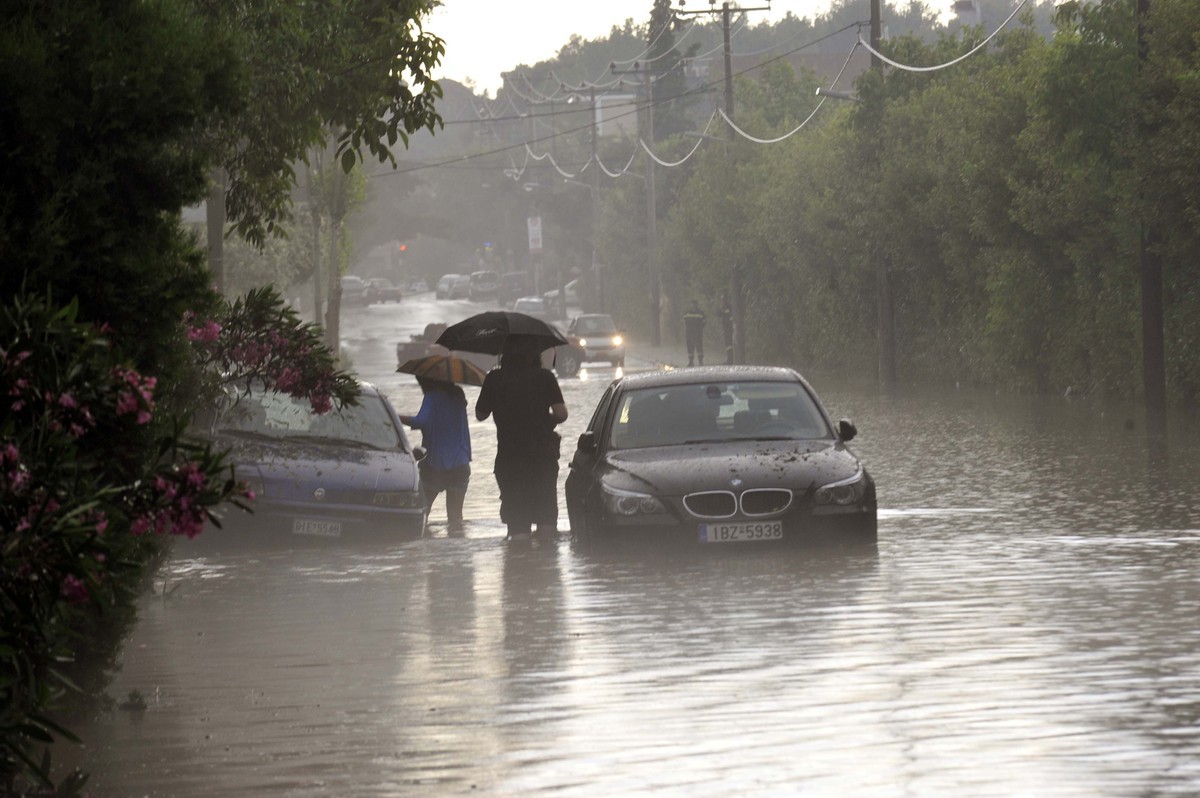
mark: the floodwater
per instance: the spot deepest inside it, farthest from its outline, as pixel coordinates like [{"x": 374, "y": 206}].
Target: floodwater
[{"x": 1029, "y": 624}]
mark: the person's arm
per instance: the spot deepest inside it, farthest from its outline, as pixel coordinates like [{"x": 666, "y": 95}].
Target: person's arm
[
  {"x": 483, "y": 405},
  {"x": 558, "y": 407},
  {"x": 421, "y": 418}
]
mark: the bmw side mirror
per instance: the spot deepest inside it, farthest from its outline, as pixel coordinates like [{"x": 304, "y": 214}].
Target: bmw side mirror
[
  {"x": 587, "y": 442},
  {"x": 419, "y": 453},
  {"x": 846, "y": 429}
]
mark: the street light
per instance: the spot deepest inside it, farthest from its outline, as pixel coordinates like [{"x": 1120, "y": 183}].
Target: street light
[{"x": 835, "y": 94}]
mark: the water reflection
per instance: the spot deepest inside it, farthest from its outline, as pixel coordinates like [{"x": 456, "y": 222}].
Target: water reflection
[{"x": 1027, "y": 625}]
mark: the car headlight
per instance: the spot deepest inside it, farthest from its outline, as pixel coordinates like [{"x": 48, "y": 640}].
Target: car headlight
[
  {"x": 843, "y": 492},
  {"x": 583, "y": 342},
  {"x": 617, "y": 340},
  {"x": 622, "y": 502},
  {"x": 404, "y": 499}
]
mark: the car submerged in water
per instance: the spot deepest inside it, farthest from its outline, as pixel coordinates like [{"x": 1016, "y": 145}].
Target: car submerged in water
[
  {"x": 718, "y": 455},
  {"x": 347, "y": 474}
]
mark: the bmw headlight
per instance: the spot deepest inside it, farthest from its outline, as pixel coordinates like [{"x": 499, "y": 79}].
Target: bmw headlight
[
  {"x": 403, "y": 499},
  {"x": 843, "y": 492},
  {"x": 623, "y": 502}
]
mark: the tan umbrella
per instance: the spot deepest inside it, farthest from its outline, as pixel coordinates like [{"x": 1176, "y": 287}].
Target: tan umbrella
[{"x": 445, "y": 368}]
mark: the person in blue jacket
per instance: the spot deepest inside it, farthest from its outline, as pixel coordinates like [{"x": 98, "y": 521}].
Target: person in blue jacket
[{"x": 446, "y": 466}]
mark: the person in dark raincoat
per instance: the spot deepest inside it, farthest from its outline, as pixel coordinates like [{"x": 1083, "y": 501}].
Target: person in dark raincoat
[{"x": 527, "y": 405}]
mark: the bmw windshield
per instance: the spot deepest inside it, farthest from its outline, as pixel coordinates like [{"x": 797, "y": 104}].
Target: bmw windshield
[{"x": 699, "y": 413}]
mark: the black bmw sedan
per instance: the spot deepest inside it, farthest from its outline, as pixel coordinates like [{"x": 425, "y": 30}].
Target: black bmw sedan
[{"x": 718, "y": 455}]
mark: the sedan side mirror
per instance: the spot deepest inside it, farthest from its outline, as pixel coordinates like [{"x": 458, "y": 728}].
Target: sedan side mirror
[
  {"x": 419, "y": 453},
  {"x": 846, "y": 429},
  {"x": 587, "y": 442}
]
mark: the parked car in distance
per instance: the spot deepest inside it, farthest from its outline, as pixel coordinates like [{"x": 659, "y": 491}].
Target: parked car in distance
[
  {"x": 598, "y": 336},
  {"x": 718, "y": 455},
  {"x": 354, "y": 290},
  {"x": 461, "y": 288},
  {"x": 445, "y": 286},
  {"x": 347, "y": 474},
  {"x": 532, "y": 306},
  {"x": 513, "y": 285},
  {"x": 484, "y": 286},
  {"x": 380, "y": 289},
  {"x": 572, "y": 294}
]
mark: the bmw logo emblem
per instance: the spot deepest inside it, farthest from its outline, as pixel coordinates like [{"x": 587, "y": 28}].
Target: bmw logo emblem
[
  {"x": 319, "y": 494},
  {"x": 737, "y": 483}
]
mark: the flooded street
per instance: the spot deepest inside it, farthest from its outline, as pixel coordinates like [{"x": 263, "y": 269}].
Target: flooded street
[{"x": 1028, "y": 624}]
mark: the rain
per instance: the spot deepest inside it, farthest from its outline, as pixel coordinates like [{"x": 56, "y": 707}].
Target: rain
[{"x": 930, "y": 227}]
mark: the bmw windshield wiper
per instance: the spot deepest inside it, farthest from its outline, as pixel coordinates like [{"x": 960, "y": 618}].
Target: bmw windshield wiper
[
  {"x": 334, "y": 440},
  {"x": 247, "y": 433}
]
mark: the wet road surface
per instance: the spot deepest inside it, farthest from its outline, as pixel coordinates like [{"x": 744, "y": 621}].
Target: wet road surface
[{"x": 1027, "y": 625}]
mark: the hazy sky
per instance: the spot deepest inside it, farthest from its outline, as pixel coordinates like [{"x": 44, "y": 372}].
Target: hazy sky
[{"x": 487, "y": 37}]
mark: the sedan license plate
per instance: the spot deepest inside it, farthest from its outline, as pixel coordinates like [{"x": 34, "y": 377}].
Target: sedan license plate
[
  {"x": 324, "y": 529},
  {"x": 736, "y": 533}
]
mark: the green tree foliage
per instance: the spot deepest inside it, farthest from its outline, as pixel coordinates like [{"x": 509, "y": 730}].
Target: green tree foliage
[
  {"x": 356, "y": 72},
  {"x": 113, "y": 115},
  {"x": 1003, "y": 195}
]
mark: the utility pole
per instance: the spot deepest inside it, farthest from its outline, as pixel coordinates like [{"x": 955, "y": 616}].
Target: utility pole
[
  {"x": 651, "y": 204},
  {"x": 1154, "y": 371},
  {"x": 883, "y": 277},
  {"x": 595, "y": 161},
  {"x": 735, "y": 276}
]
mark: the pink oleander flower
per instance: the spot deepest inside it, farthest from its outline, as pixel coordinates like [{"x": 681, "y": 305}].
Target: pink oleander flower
[
  {"x": 208, "y": 333},
  {"x": 74, "y": 590},
  {"x": 321, "y": 403},
  {"x": 126, "y": 403}
]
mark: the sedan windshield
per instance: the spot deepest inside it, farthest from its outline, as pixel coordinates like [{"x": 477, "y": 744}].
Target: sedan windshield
[
  {"x": 279, "y": 416},
  {"x": 594, "y": 325},
  {"x": 682, "y": 414}
]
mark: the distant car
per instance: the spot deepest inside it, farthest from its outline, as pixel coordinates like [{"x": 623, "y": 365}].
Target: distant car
[
  {"x": 380, "y": 289},
  {"x": 345, "y": 474},
  {"x": 354, "y": 290},
  {"x": 572, "y": 294},
  {"x": 598, "y": 336},
  {"x": 532, "y": 306},
  {"x": 445, "y": 286},
  {"x": 513, "y": 285},
  {"x": 718, "y": 455},
  {"x": 484, "y": 286},
  {"x": 461, "y": 288}
]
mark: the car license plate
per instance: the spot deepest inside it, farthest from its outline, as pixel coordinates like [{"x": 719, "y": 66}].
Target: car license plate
[
  {"x": 324, "y": 529},
  {"x": 736, "y": 533}
]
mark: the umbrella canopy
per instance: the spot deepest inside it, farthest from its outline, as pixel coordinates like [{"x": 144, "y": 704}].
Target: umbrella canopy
[
  {"x": 446, "y": 368},
  {"x": 486, "y": 332}
]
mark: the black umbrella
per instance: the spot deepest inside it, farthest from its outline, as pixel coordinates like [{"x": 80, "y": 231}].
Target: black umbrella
[{"x": 486, "y": 332}]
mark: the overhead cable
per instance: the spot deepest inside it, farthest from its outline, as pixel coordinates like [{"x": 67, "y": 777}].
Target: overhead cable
[{"x": 963, "y": 57}]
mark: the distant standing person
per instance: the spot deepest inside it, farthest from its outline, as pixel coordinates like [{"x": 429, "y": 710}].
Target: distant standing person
[
  {"x": 727, "y": 327},
  {"x": 693, "y": 332},
  {"x": 527, "y": 405},
  {"x": 446, "y": 466}
]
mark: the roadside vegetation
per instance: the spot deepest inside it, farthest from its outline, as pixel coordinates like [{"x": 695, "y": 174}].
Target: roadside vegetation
[
  {"x": 114, "y": 117},
  {"x": 1005, "y": 197}
]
